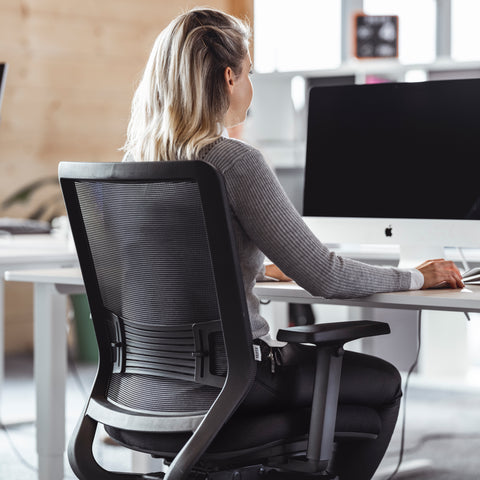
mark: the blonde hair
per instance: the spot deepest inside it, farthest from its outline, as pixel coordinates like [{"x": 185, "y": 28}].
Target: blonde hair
[{"x": 181, "y": 100}]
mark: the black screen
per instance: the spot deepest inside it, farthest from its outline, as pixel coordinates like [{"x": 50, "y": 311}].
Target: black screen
[
  {"x": 3, "y": 74},
  {"x": 397, "y": 150}
]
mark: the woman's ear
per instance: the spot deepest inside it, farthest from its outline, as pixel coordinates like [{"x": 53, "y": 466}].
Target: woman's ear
[{"x": 229, "y": 78}]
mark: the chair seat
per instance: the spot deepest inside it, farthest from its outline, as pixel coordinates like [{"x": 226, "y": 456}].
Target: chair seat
[{"x": 249, "y": 432}]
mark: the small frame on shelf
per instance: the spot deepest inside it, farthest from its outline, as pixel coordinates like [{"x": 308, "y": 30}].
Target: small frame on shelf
[{"x": 375, "y": 36}]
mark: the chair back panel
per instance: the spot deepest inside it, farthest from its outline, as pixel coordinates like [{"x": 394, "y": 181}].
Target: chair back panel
[{"x": 146, "y": 257}]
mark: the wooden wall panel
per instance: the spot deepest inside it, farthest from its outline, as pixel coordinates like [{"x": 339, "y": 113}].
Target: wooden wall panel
[
  {"x": 73, "y": 67},
  {"x": 242, "y": 9},
  {"x": 19, "y": 308}
]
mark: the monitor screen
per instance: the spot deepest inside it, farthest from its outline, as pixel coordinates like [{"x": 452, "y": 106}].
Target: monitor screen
[
  {"x": 404, "y": 154},
  {"x": 3, "y": 75}
]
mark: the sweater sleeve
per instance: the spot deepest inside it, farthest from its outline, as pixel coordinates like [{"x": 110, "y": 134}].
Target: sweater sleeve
[{"x": 272, "y": 222}]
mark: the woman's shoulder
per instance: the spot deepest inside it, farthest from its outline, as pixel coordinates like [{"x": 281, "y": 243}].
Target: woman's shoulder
[{"x": 227, "y": 152}]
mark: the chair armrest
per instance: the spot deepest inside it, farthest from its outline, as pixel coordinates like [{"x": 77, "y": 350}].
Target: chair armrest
[
  {"x": 329, "y": 337},
  {"x": 336, "y": 333}
]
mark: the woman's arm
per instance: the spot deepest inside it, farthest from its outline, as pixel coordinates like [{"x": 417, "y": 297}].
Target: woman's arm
[{"x": 272, "y": 222}]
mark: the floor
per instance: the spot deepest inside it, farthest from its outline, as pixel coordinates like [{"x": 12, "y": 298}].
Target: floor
[
  {"x": 442, "y": 436},
  {"x": 17, "y": 444}
]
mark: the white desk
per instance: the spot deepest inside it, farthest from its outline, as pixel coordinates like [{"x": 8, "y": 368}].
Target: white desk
[
  {"x": 28, "y": 251},
  {"x": 50, "y": 341},
  {"x": 50, "y": 361},
  {"x": 442, "y": 328},
  {"x": 465, "y": 300}
]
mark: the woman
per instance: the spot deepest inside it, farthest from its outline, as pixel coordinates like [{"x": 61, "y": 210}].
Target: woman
[{"x": 195, "y": 85}]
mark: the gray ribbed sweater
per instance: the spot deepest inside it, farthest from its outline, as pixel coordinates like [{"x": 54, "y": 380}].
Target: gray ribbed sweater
[{"x": 266, "y": 223}]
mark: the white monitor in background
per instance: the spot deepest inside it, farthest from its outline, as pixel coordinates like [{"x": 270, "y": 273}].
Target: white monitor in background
[
  {"x": 395, "y": 164},
  {"x": 3, "y": 76}
]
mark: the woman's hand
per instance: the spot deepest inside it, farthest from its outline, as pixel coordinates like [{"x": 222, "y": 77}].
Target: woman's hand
[
  {"x": 273, "y": 271},
  {"x": 439, "y": 273}
]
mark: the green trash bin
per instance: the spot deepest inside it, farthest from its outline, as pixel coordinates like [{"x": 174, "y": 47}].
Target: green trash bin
[{"x": 87, "y": 350}]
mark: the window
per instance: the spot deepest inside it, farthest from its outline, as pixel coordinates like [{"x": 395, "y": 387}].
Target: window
[
  {"x": 300, "y": 35},
  {"x": 465, "y": 31},
  {"x": 416, "y": 26}
]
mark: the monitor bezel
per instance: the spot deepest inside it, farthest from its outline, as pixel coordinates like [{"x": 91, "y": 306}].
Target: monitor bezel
[{"x": 422, "y": 235}]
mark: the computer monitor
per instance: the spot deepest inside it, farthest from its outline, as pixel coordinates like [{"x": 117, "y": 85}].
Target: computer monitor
[
  {"x": 3, "y": 75},
  {"x": 395, "y": 164}
]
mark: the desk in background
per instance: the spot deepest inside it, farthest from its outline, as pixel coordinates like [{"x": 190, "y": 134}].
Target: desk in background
[{"x": 26, "y": 252}]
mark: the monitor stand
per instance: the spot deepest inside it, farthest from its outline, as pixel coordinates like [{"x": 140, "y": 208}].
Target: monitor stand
[{"x": 412, "y": 256}]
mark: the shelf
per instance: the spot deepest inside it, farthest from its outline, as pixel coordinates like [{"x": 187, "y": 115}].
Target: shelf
[{"x": 385, "y": 66}]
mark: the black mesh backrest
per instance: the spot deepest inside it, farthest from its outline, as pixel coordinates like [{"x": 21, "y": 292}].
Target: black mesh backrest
[
  {"x": 150, "y": 250},
  {"x": 147, "y": 261}
]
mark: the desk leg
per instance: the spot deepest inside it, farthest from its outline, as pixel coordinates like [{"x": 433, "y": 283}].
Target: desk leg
[
  {"x": 399, "y": 348},
  {"x": 50, "y": 368}
]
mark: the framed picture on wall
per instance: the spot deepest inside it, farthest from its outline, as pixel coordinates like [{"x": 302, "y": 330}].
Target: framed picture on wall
[{"x": 376, "y": 36}]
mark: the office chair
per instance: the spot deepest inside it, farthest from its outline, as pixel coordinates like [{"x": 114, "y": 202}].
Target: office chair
[{"x": 159, "y": 262}]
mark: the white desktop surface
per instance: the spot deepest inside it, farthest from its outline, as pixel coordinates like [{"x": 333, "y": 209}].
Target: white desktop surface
[
  {"x": 63, "y": 277},
  {"x": 50, "y": 287},
  {"x": 37, "y": 241},
  {"x": 34, "y": 256},
  {"x": 445, "y": 299}
]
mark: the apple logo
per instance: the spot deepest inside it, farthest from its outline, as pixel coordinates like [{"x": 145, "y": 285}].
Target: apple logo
[{"x": 388, "y": 231}]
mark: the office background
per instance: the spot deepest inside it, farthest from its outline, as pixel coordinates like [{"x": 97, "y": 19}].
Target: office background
[
  {"x": 72, "y": 71},
  {"x": 73, "y": 67}
]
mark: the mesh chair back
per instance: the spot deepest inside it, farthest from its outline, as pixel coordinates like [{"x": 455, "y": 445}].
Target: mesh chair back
[{"x": 151, "y": 244}]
